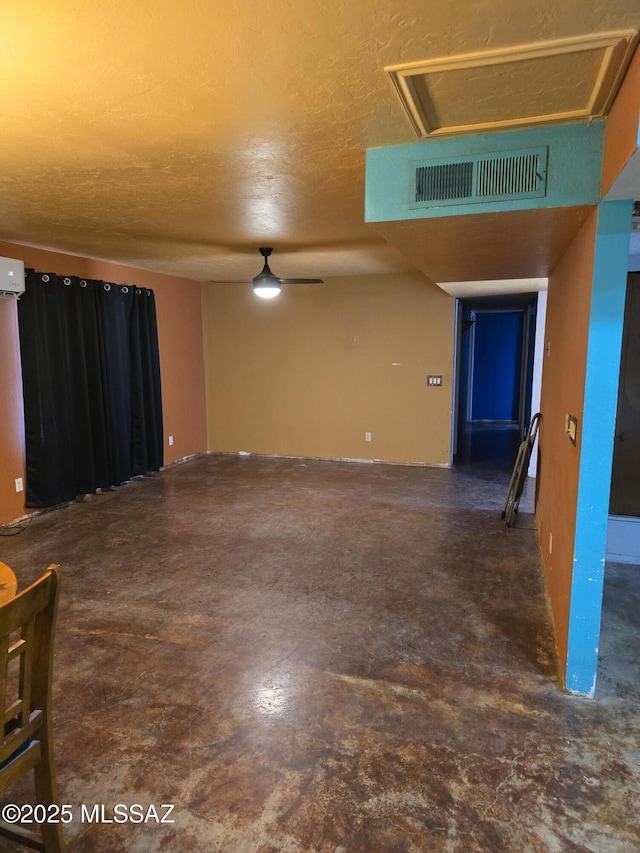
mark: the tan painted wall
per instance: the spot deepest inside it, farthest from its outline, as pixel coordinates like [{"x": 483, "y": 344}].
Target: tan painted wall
[
  {"x": 621, "y": 128},
  {"x": 307, "y": 374},
  {"x": 181, "y": 360},
  {"x": 563, "y": 382}
]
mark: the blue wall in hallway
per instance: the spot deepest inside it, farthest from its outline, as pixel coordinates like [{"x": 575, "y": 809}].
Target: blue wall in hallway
[{"x": 497, "y": 362}]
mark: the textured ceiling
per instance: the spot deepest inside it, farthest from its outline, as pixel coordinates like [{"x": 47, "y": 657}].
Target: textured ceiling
[
  {"x": 180, "y": 135},
  {"x": 514, "y": 245}
]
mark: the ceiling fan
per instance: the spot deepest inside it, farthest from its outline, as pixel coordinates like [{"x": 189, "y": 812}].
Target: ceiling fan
[{"x": 266, "y": 284}]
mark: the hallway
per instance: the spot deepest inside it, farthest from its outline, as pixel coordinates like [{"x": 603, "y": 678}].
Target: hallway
[
  {"x": 321, "y": 656},
  {"x": 487, "y": 452},
  {"x": 490, "y": 445}
]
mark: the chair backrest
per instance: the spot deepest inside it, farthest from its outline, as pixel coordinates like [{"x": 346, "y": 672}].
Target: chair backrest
[{"x": 27, "y": 624}]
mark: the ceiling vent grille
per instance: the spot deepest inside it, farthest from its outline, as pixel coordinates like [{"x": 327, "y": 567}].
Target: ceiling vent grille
[
  {"x": 505, "y": 176},
  {"x": 444, "y": 182},
  {"x": 508, "y": 175}
]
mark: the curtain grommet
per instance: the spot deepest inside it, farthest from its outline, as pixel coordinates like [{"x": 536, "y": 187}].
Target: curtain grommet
[
  {"x": 45, "y": 278},
  {"x": 66, "y": 281},
  {"x": 83, "y": 283},
  {"x": 148, "y": 293},
  {"x": 138, "y": 291},
  {"x": 106, "y": 287},
  {"x": 125, "y": 289}
]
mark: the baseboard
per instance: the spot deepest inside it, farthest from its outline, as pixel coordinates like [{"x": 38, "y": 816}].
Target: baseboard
[
  {"x": 245, "y": 453},
  {"x": 623, "y": 539},
  {"x": 186, "y": 459}
]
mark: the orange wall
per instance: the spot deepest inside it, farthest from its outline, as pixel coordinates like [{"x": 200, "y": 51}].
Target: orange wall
[
  {"x": 308, "y": 373},
  {"x": 563, "y": 383},
  {"x": 621, "y": 126},
  {"x": 181, "y": 361},
  {"x": 11, "y": 417}
]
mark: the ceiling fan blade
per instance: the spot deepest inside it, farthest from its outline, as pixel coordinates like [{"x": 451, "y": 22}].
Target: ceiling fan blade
[
  {"x": 267, "y": 279},
  {"x": 301, "y": 281}
]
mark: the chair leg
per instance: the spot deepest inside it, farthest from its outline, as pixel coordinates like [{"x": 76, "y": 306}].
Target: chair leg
[{"x": 47, "y": 794}]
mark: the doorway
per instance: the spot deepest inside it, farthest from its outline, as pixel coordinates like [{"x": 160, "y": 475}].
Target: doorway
[
  {"x": 496, "y": 338},
  {"x": 619, "y": 648}
]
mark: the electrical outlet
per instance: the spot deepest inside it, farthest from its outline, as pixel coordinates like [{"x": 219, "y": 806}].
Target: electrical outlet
[
  {"x": 170, "y": 440},
  {"x": 19, "y": 484},
  {"x": 434, "y": 380},
  {"x": 367, "y": 436}
]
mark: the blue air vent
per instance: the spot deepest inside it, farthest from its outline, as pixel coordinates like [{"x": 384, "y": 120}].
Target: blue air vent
[{"x": 484, "y": 177}]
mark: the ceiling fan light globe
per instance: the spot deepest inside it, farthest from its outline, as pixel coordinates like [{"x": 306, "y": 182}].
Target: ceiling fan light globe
[{"x": 266, "y": 291}]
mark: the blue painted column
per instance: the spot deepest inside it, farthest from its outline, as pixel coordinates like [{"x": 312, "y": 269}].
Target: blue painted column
[{"x": 596, "y": 451}]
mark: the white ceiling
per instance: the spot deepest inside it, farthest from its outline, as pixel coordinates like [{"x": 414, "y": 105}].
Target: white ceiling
[{"x": 468, "y": 289}]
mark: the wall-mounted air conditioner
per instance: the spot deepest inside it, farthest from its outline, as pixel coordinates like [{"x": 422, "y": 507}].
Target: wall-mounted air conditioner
[{"x": 11, "y": 278}]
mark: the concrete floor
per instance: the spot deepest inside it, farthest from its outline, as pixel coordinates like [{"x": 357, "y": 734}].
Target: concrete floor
[
  {"x": 619, "y": 655},
  {"x": 317, "y": 656}
]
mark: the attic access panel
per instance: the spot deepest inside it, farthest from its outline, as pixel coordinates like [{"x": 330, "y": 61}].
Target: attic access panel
[{"x": 574, "y": 79}]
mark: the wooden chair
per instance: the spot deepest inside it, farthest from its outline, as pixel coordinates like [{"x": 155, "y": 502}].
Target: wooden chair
[{"x": 27, "y": 624}]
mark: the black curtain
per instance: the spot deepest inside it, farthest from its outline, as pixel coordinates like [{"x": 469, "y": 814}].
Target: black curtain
[{"x": 91, "y": 386}]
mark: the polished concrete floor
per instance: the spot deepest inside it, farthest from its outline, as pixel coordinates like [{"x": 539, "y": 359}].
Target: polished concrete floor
[
  {"x": 619, "y": 650},
  {"x": 319, "y": 656}
]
